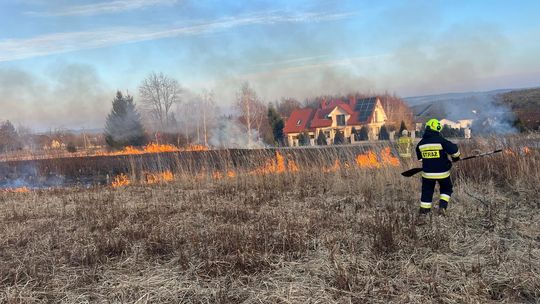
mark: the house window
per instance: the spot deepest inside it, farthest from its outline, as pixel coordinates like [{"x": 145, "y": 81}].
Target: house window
[
  {"x": 298, "y": 122},
  {"x": 340, "y": 120}
]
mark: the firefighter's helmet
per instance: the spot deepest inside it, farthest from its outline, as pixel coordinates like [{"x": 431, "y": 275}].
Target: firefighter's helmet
[{"x": 434, "y": 125}]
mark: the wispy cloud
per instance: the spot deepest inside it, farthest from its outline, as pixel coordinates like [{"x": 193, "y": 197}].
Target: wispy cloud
[
  {"x": 106, "y": 7},
  {"x": 291, "y": 61},
  {"x": 296, "y": 65},
  {"x": 14, "y": 49}
]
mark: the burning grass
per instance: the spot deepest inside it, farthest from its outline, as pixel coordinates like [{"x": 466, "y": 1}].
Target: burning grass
[
  {"x": 15, "y": 190},
  {"x": 153, "y": 148},
  {"x": 346, "y": 234},
  {"x": 121, "y": 181},
  {"x": 273, "y": 165},
  {"x": 150, "y": 148}
]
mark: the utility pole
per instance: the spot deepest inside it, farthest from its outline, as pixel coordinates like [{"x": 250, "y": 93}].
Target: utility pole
[{"x": 84, "y": 140}]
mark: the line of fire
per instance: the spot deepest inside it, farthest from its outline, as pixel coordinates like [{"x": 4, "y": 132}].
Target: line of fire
[{"x": 335, "y": 133}]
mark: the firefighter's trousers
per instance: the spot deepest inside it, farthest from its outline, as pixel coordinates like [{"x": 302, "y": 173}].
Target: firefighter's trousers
[{"x": 428, "y": 187}]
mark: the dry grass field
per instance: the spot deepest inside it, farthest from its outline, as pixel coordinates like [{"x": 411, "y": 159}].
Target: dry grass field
[{"x": 309, "y": 236}]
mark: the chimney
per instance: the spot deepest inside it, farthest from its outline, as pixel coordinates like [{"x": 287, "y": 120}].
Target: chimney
[
  {"x": 352, "y": 100},
  {"x": 323, "y": 103}
]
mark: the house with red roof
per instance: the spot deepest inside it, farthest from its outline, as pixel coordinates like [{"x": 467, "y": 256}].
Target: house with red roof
[{"x": 336, "y": 116}]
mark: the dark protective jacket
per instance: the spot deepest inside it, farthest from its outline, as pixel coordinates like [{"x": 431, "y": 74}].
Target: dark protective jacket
[{"x": 433, "y": 150}]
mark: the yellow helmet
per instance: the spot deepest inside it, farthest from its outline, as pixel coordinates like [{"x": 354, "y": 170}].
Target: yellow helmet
[{"x": 434, "y": 125}]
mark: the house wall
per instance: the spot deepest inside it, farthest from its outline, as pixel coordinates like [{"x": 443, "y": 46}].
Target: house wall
[
  {"x": 462, "y": 123},
  {"x": 292, "y": 139},
  {"x": 465, "y": 123},
  {"x": 330, "y": 132},
  {"x": 451, "y": 124},
  {"x": 377, "y": 120},
  {"x": 333, "y": 115},
  {"x": 379, "y": 116}
]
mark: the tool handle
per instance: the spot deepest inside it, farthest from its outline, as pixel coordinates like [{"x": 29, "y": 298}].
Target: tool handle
[{"x": 483, "y": 154}]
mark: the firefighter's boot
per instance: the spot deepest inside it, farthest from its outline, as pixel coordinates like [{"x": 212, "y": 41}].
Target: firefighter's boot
[
  {"x": 441, "y": 211},
  {"x": 423, "y": 216}
]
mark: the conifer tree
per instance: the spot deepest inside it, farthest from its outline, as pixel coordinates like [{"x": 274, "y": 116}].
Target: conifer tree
[
  {"x": 363, "y": 134},
  {"x": 339, "y": 139},
  {"x": 383, "y": 133},
  {"x": 276, "y": 124},
  {"x": 123, "y": 126},
  {"x": 321, "y": 139}
]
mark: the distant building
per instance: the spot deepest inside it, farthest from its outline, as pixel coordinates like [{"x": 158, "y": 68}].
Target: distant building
[
  {"x": 467, "y": 133},
  {"x": 336, "y": 116},
  {"x": 460, "y": 124},
  {"x": 465, "y": 123},
  {"x": 449, "y": 123}
]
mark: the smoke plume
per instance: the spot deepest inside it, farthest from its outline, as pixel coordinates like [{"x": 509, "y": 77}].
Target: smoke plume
[
  {"x": 231, "y": 134},
  {"x": 67, "y": 96}
]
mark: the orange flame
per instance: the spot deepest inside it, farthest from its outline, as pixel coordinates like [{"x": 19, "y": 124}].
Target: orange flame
[
  {"x": 509, "y": 152},
  {"x": 218, "y": 175},
  {"x": 154, "y": 148},
  {"x": 334, "y": 168},
  {"x": 150, "y": 178},
  {"x": 157, "y": 148},
  {"x": 388, "y": 158},
  {"x": 120, "y": 181},
  {"x": 518, "y": 151},
  {"x": 161, "y": 177},
  {"x": 16, "y": 190},
  {"x": 195, "y": 148},
  {"x": 369, "y": 159},
  {"x": 278, "y": 165},
  {"x": 292, "y": 166}
]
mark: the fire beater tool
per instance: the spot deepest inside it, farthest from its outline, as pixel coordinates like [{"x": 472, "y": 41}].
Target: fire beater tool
[{"x": 413, "y": 171}]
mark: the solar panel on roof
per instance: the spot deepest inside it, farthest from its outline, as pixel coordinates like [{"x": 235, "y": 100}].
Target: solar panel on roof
[{"x": 364, "y": 108}]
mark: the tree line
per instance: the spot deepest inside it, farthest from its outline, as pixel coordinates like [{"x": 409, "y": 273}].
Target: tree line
[
  {"x": 174, "y": 114},
  {"x": 171, "y": 114},
  {"x": 166, "y": 112}
]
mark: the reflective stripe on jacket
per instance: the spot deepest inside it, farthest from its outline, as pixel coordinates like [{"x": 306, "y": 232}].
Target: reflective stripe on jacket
[{"x": 433, "y": 150}]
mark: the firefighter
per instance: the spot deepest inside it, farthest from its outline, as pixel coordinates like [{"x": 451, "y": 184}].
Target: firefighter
[
  {"x": 404, "y": 145},
  {"x": 433, "y": 150}
]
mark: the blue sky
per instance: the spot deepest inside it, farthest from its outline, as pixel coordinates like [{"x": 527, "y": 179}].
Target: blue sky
[{"x": 61, "y": 61}]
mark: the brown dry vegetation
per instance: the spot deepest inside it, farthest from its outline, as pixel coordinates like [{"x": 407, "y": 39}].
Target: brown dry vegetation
[{"x": 310, "y": 237}]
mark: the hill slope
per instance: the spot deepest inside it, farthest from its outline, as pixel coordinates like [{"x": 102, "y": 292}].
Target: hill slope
[{"x": 506, "y": 104}]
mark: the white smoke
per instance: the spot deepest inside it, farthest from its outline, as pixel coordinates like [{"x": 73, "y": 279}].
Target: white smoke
[
  {"x": 489, "y": 115},
  {"x": 230, "y": 134}
]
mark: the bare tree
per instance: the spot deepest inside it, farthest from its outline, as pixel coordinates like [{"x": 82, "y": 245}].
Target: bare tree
[
  {"x": 159, "y": 93},
  {"x": 259, "y": 114},
  {"x": 208, "y": 110},
  {"x": 252, "y": 110},
  {"x": 184, "y": 122},
  {"x": 26, "y": 137},
  {"x": 396, "y": 110},
  {"x": 287, "y": 105}
]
